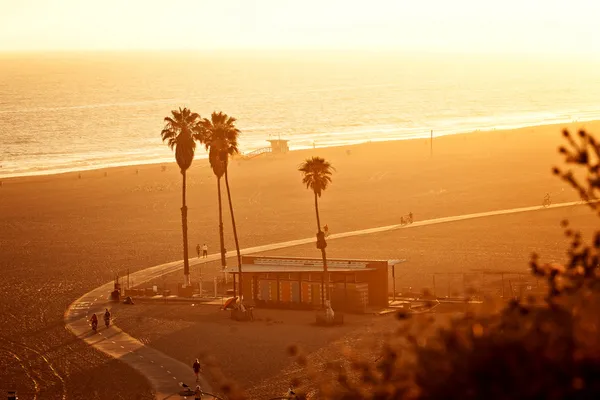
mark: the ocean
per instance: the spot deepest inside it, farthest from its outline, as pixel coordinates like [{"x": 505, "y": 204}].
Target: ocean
[{"x": 75, "y": 111}]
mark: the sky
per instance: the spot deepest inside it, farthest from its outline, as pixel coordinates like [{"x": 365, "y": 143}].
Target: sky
[{"x": 473, "y": 26}]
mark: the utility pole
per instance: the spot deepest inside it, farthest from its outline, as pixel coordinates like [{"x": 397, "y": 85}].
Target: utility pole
[{"x": 431, "y": 145}]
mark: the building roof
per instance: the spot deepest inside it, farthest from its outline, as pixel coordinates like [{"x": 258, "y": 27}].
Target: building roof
[
  {"x": 290, "y": 268},
  {"x": 305, "y": 265}
]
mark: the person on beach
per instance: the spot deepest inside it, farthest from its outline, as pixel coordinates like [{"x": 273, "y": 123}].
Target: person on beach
[
  {"x": 326, "y": 230},
  {"x": 204, "y": 250},
  {"x": 107, "y": 318},
  {"x": 196, "y": 368},
  {"x": 94, "y": 321},
  {"x": 198, "y": 249}
]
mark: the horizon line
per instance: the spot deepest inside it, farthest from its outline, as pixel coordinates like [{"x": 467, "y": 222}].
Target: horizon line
[{"x": 387, "y": 51}]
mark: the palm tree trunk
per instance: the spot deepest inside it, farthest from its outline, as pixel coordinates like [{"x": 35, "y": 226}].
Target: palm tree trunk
[
  {"x": 317, "y": 211},
  {"x": 221, "y": 238},
  {"x": 186, "y": 264},
  {"x": 324, "y": 256},
  {"x": 235, "y": 236}
]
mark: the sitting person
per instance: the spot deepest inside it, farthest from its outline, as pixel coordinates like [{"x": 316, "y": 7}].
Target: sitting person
[{"x": 230, "y": 304}]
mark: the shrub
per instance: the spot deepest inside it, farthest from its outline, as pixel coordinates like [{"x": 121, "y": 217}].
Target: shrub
[{"x": 549, "y": 350}]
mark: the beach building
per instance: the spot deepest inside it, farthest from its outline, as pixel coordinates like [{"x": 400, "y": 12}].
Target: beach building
[
  {"x": 279, "y": 145},
  {"x": 293, "y": 282}
]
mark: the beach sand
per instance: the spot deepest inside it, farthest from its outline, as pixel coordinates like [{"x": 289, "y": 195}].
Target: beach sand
[
  {"x": 501, "y": 243},
  {"x": 63, "y": 235}
]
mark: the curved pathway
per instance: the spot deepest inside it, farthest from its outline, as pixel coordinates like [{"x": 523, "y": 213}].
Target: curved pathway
[{"x": 164, "y": 372}]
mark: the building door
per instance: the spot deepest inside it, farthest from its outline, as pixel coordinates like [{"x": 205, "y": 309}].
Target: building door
[
  {"x": 265, "y": 291},
  {"x": 296, "y": 292},
  {"x": 316, "y": 293}
]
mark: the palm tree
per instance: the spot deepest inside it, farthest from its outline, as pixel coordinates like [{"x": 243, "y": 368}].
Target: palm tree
[
  {"x": 316, "y": 175},
  {"x": 220, "y": 137},
  {"x": 178, "y": 131}
]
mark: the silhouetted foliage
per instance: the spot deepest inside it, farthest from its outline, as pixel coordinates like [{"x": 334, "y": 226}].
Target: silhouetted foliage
[
  {"x": 524, "y": 351},
  {"x": 178, "y": 133},
  {"x": 220, "y": 137},
  {"x": 316, "y": 175}
]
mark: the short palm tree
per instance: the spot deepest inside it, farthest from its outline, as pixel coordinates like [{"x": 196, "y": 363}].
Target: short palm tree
[
  {"x": 178, "y": 131},
  {"x": 220, "y": 137},
  {"x": 316, "y": 175}
]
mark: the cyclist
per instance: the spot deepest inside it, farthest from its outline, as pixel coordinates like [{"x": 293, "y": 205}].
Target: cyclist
[
  {"x": 107, "y": 318},
  {"x": 94, "y": 321}
]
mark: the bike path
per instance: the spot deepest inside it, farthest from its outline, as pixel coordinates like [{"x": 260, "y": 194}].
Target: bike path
[{"x": 164, "y": 372}]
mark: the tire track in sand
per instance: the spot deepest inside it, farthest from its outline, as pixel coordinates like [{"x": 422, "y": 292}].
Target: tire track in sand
[{"x": 121, "y": 346}]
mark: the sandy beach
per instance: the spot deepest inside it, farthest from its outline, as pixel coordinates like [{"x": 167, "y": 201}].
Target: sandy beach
[
  {"x": 189, "y": 330},
  {"x": 62, "y": 235}
]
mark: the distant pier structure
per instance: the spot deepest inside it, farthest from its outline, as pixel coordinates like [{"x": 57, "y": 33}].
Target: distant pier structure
[{"x": 279, "y": 145}]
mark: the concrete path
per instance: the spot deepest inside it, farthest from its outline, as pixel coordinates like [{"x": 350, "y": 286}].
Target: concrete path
[{"x": 164, "y": 372}]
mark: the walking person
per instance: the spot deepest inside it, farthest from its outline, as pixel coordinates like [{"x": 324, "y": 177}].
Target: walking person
[
  {"x": 204, "y": 250},
  {"x": 198, "y": 249},
  {"x": 196, "y": 367},
  {"x": 107, "y": 317}
]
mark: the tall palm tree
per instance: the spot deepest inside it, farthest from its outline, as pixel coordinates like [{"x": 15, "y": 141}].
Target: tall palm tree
[
  {"x": 178, "y": 131},
  {"x": 316, "y": 175},
  {"x": 220, "y": 137}
]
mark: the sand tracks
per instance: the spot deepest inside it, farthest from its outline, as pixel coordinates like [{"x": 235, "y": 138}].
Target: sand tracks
[
  {"x": 36, "y": 366},
  {"x": 163, "y": 371}
]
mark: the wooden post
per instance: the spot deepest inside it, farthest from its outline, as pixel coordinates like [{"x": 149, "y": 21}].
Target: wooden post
[
  {"x": 434, "y": 291},
  {"x": 300, "y": 287},
  {"x": 234, "y": 291},
  {"x": 346, "y": 307},
  {"x": 431, "y": 145},
  {"x": 394, "y": 282},
  {"x": 200, "y": 283}
]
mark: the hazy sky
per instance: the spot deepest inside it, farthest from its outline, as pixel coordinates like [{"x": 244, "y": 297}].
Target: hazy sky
[{"x": 546, "y": 26}]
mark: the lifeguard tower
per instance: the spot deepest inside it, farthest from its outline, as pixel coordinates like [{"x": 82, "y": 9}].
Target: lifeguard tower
[{"x": 279, "y": 145}]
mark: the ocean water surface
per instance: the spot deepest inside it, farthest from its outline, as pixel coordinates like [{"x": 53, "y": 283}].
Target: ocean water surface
[{"x": 74, "y": 111}]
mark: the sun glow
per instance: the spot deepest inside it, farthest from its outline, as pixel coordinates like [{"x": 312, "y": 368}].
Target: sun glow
[{"x": 559, "y": 27}]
